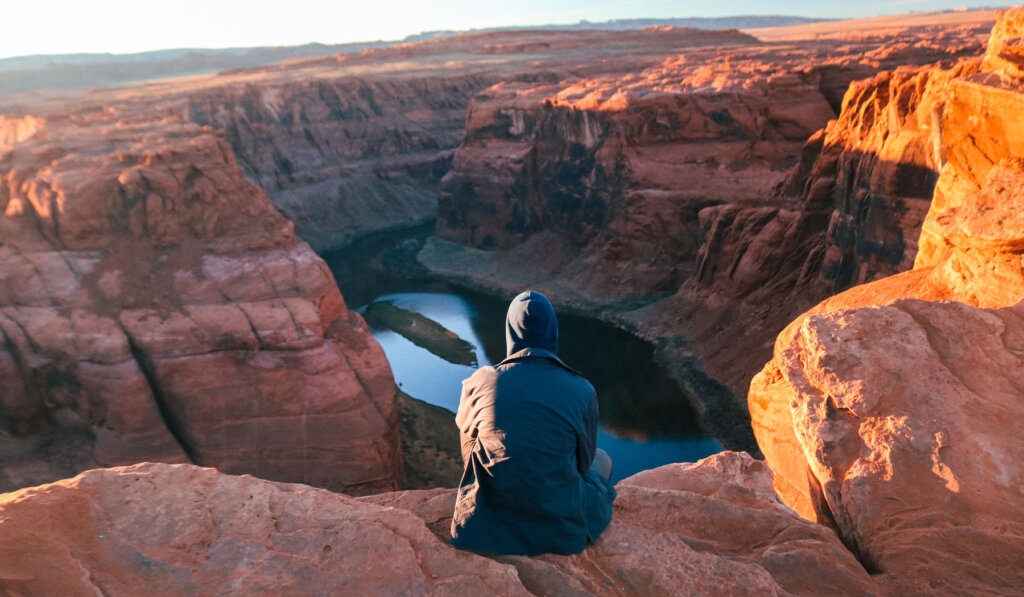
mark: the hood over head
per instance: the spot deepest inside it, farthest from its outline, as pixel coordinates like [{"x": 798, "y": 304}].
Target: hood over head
[{"x": 530, "y": 323}]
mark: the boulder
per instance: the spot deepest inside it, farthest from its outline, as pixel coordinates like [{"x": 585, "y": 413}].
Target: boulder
[{"x": 904, "y": 422}]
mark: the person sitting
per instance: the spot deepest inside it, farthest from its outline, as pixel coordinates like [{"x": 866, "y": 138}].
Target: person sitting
[{"x": 534, "y": 480}]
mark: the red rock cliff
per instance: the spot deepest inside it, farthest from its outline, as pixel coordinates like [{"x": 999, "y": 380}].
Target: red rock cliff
[
  {"x": 155, "y": 306},
  {"x": 892, "y": 413},
  {"x": 358, "y": 143},
  {"x": 621, "y": 165}
]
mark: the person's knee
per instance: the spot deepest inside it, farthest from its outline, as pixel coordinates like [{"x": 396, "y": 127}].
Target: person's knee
[{"x": 602, "y": 464}]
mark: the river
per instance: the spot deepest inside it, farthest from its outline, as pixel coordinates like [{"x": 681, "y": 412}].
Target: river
[{"x": 646, "y": 420}]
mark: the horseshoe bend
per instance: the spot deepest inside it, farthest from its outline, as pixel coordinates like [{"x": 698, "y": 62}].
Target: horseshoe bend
[{"x": 791, "y": 260}]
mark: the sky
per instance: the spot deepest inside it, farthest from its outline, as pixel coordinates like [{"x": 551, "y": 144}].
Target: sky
[{"x": 124, "y": 26}]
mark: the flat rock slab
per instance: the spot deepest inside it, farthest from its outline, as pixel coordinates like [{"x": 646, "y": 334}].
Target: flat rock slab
[{"x": 711, "y": 528}]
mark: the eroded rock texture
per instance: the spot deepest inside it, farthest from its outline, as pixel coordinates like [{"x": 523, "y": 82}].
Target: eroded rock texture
[
  {"x": 159, "y": 529},
  {"x": 711, "y": 528},
  {"x": 904, "y": 421},
  {"x": 684, "y": 201},
  {"x": 358, "y": 143},
  {"x": 345, "y": 155},
  {"x": 636, "y": 171},
  {"x": 155, "y": 306},
  {"x": 894, "y": 415}
]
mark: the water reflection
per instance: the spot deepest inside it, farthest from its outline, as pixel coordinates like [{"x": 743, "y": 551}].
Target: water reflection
[
  {"x": 419, "y": 372},
  {"x": 646, "y": 422}
]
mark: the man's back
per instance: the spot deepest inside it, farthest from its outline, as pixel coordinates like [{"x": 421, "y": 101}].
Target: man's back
[{"x": 528, "y": 427}]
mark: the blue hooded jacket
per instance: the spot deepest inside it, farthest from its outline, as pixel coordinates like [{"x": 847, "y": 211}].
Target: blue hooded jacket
[{"x": 529, "y": 434}]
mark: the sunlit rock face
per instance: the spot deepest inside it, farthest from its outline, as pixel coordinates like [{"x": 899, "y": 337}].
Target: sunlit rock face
[
  {"x": 676, "y": 199},
  {"x": 871, "y": 173},
  {"x": 710, "y": 528},
  {"x": 903, "y": 424},
  {"x": 155, "y": 306},
  {"x": 892, "y": 414}
]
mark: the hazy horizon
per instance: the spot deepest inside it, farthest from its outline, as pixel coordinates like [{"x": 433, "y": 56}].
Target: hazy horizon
[{"x": 121, "y": 27}]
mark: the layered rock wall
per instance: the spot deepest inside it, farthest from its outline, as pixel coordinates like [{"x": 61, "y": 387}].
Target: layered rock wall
[
  {"x": 638, "y": 171},
  {"x": 343, "y": 156},
  {"x": 620, "y": 176},
  {"x": 358, "y": 143},
  {"x": 155, "y": 306}
]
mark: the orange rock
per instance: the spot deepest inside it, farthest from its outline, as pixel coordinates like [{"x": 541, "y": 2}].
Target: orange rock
[
  {"x": 896, "y": 423},
  {"x": 711, "y": 528},
  {"x": 157, "y": 529},
  {"x": 621, "y": 164},
  {"x": 902, "y": 417},
  {"x": 1005, "y": 53}
]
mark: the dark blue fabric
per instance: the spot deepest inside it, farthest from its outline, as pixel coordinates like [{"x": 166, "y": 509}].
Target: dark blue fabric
[
  {"x": 528, "y": 427},
  {"x": 530, "y": 323}
]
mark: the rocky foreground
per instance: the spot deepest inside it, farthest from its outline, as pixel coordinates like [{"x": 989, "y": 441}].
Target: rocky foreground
[{"x": 711, "y": 528}]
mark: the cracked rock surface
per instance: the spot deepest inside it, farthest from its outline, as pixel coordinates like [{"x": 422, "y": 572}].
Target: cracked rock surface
[
  {"x": 154, "y": 306},
  {"x": 893, "y": 413},
  {"x": 710, "y": 528}
]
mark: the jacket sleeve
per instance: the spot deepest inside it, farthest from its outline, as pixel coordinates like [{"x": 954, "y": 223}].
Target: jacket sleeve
[
  {"x": 586, "y": 441},
  {"x": 467, "y": 435}
]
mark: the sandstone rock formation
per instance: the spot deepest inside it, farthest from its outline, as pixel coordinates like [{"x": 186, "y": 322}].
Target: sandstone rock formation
[
  {"x": 672, "y": 199},
  {"x": 178, "y": 529},
  {"x": 892, "y": 414},
  {"x": 357, "y": 143},
  {"x": 711, "y": 528},
  {"x": 903, "y": 423},
  {"x": 155, "y": 306}
]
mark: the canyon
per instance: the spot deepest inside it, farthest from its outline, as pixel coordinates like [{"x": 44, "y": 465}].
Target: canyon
[
  {"x": 671, "y": 201},
  {"x": 161, "y": 297},
  {"x": 700, "y": 189}
]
